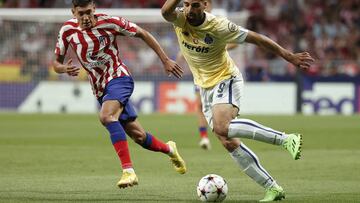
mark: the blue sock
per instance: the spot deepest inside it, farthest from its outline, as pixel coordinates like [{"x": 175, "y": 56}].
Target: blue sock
[
  {"x": 203, "y": 132},
  {"x": 116, "y": 131},
  {"x": 148, "y": 141}
]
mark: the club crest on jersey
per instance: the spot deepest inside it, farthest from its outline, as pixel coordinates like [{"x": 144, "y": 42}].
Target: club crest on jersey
[
  {"x": 92, "y": 57},
  {"x": 102, "y": 40},
  {"x": 232, "y": 27},
  {"x": 208, "y": 39}
]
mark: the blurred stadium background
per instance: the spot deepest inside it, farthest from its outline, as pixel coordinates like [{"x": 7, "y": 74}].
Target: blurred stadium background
[
  {"x": 329, "y": 30},
  {"x": 64, "y": 156}
]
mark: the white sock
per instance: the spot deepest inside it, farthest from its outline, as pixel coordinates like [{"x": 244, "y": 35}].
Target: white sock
[
  {"x": 245, "y": 128},
  {"x": 249, "y": 163},
  {"x": 171, "y": 151},
  {"x": 129, "y": 170}
]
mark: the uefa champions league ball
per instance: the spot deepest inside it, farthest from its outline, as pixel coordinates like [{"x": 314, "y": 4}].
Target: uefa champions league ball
[{"x": 212, "y": 188}]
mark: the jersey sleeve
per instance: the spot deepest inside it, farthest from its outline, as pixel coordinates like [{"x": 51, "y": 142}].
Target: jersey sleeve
[
  {"x": 180, "y": 19},
  {"x": 62, "y": 43},
  {"x": 232, "y": 33},
  {"x": 125, "y": 27}
]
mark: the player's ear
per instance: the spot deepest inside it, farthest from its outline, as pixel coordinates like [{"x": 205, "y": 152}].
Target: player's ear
[
  {"x": 204, "y": 5},
  {"x": 73, "y": 11}
]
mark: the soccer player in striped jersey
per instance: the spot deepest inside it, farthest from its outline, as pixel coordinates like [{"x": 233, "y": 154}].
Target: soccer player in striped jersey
[
  {"x": 203, "y": 38},
  {"x": 93, "y": 39}
]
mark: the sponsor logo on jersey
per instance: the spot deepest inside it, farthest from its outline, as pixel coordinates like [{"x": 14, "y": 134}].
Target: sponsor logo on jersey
[
  {"x": 199, "y": 49},
  {"x": 97, "y": 61}
]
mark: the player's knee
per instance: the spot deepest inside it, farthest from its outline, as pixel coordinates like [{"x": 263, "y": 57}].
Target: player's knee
[
  {"x": 105, "y": 119},
  {"x": 221, "y": 129},
  {"x": 230, "y": 145}
]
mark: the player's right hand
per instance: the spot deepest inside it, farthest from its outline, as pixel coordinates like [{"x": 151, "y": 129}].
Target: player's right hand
[
  {"x": 302, "y": 60},
  {"x": 71, "y": 69}
]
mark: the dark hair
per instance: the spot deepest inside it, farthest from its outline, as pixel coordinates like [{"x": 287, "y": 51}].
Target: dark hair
[{"x": 82, "y": 3}]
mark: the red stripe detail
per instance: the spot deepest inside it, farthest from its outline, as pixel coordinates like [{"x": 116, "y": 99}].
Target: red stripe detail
[
  {"x": 68, "y": 33},
  {"x": 114, "y": 58},
  {"x": 111, "y": 30},
  {"x": 82, "y": 42},
  {"x": 91, "y": 75},
  {"x": 126, "y": 68},
  {"x": 72, "y": 24},
  {"x": 132, "y": 29},
  {"x": 100, "y": 14},
  {"x": 117, "y": 54},
  {"x": 84, "y": 45},
  {"x": 95, "y": 41},
  {"x": 107, "y": 76},
  {"x": 64, "y": 37},
  {"x": 121, "y": 22},
  {"x": 95, "y": 52},
  {"x": 103, "y": 75},
  {"x": 98, "y": 70},
  {"x": 108, "y": 67}
]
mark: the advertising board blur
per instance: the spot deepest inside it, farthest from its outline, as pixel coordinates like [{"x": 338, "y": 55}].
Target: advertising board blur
[{"x": 179, "y": 97}]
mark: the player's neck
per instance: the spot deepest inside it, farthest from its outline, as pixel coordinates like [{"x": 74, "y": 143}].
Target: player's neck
[{"x": 198, "y": 22}]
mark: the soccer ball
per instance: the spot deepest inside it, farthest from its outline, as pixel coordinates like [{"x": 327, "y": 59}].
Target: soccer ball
[{"x": 212, "y": 188}]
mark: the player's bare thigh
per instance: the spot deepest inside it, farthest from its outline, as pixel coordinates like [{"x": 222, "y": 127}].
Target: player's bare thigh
[
  {"x": 110, "y": 111},
  {"x": 222, "y": 116}
]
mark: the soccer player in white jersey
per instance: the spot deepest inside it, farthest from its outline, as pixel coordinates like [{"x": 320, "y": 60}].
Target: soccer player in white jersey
[
  {"x": 93, "y": 39},
  {"x": 202, "y": 39}
]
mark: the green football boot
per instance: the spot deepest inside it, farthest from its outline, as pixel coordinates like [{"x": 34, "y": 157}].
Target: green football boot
[
  {"x": 275, "y": 193},
  {"x": 293, "y": 144}
]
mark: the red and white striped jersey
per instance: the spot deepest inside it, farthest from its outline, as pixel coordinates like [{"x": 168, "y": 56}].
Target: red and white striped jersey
[{"x": 96, "y": 48}]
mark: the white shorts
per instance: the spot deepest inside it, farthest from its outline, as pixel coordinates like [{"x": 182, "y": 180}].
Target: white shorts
[{"x": 225, "y": 92}]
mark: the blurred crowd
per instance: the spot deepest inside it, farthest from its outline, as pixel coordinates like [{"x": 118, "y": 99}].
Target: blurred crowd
[
  {"x": 67, "y": 3},
  {"x": 328, "y": 29}
]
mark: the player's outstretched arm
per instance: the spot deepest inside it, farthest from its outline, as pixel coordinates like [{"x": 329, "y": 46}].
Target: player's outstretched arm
[
  {"x": 68, "y": 68},
  {"x": 168, "y": 10},
  {"x": 171, "y": 67},
  {"x": 231, "y": 46},
  {"x": 302, "y": 60}
]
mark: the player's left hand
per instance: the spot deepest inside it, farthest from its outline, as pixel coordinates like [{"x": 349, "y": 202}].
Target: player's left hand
[
  {"x": 172, "y": 68},
  {"x": 302, "y": 60}
]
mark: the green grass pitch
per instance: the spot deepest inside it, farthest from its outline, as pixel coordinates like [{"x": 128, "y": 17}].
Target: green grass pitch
[{"x": 69, "y": 158}]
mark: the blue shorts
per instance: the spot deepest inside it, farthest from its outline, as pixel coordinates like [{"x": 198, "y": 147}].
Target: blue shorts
[{"x": 120, "y": 89}]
